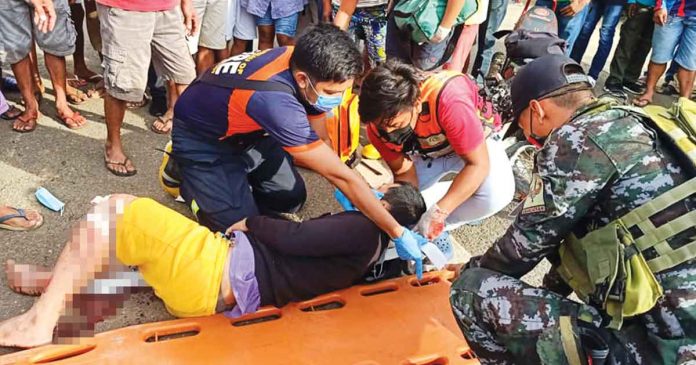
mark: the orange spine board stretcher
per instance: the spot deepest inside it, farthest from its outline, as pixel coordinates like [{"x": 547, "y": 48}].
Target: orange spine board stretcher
[{"x": 399, "y": 321}]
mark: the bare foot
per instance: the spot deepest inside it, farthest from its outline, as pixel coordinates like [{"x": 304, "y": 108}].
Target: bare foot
[
  {"x": 644, "y": 99},
  {"x": 26, "y": 330},
  {"x": 27, "y": 279}
]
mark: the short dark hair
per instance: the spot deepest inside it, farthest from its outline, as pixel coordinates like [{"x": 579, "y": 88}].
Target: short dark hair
[
  {"x": 327, "y": 53},
  {"x": 387, "y": 90},
  {"x": 572, "y": 96},
  {"x": 406, "y": 204}
]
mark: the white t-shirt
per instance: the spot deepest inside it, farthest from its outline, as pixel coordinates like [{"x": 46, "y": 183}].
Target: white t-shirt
[{"x": 480, "y": 15}]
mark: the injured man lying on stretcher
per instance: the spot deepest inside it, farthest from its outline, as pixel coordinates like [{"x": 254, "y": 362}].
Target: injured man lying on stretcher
[{"x": 196, "y": 272}]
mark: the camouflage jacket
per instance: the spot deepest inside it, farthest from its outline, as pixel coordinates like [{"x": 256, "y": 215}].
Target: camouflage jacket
[
  {"x": 595, "y": 168},
  {"x": 592, "y": 170}
]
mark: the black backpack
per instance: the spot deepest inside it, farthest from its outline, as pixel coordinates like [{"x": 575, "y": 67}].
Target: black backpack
[{"x": 523, "y": 45}]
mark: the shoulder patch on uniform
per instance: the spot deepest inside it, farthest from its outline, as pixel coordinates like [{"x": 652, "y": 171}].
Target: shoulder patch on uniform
[{"x": 535, "y": 200}]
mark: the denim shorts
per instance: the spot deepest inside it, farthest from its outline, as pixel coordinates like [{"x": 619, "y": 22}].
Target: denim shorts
[
  {"x": 675, "y": 40},
  {"x": 285, "y": 26}
]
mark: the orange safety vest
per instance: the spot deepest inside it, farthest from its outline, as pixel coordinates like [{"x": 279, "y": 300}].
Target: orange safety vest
[
  {"x": 431, "y": 140},
  {"x": 343, "y": 127},
  {"x": 243, "y": 75}
]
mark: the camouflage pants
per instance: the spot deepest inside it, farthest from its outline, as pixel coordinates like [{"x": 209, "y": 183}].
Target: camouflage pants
[{"x": 507, "y": 321}]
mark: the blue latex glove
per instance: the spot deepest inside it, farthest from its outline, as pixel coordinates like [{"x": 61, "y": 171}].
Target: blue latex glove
[
  {"x": 346, "y": 204},
  {"x": 342, "y": 199},
  {"x": 408, "y": 248}
]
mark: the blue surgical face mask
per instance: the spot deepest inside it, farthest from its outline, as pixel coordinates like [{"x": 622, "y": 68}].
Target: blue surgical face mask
[
  {"x": 325, "y": 103},
  {"x": 49, "y": 200}
]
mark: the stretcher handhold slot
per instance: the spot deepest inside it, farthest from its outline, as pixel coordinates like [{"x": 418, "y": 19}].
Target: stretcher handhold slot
[
  {"x": 381, "y": 288},
  {"x": 263, "y": 315},
  {"x": 323, "y": 304},
  {"x": 61, "y": 353},
  {"x": 428, "y": 280},
  {"x": 428, "y": 360},
  {"x": 467, "y": 354},
  {"x": 171, "y": 333}
]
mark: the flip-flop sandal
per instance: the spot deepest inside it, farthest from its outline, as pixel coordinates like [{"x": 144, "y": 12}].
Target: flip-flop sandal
[
  {"x": 164, "y": 122},
  {"x": 95, "y": 79},
  {"x": 76, "y": 82},
  {"x": 108, "y": 162},
  {"x": 36, "y": 122},
  {"x": 68, "y": 121},
  {"x": 21, "y": 213},
  {"x": 96, "y": 93},
  {"x": 12, "y": 113},
  {"x": 641, "y": 102},
  {"x": 77, "y": 98},
  {"x": 138, "y": 104}
]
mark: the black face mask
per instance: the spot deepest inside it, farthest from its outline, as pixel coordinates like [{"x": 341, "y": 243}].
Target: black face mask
[{"x": 399, "y": 136}]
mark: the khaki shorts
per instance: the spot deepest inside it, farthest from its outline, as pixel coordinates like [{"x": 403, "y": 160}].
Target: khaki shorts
[
  {"x": 130, "y": 38},
  {"x": 212, "y": 15},
  {"x": 17, "y": 26}
]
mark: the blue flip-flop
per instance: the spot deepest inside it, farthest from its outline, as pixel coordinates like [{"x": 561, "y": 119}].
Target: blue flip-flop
[
  {"x": 11, "y": 114},
  {"x": 21, "y": 213}
]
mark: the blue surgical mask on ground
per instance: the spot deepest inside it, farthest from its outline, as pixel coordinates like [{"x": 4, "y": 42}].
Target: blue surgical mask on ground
[
  {"x": 49, "y": 200},
  {"x": 325, "y": 103}
]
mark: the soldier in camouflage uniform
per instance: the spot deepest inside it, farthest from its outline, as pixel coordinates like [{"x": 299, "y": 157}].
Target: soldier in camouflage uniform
[{"x": 596, "y": 163}]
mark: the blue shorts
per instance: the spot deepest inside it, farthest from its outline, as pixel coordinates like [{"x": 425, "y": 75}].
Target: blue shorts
[
  {"x": 285, "y": 26},
  {"x": 675, "y": 40}
]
